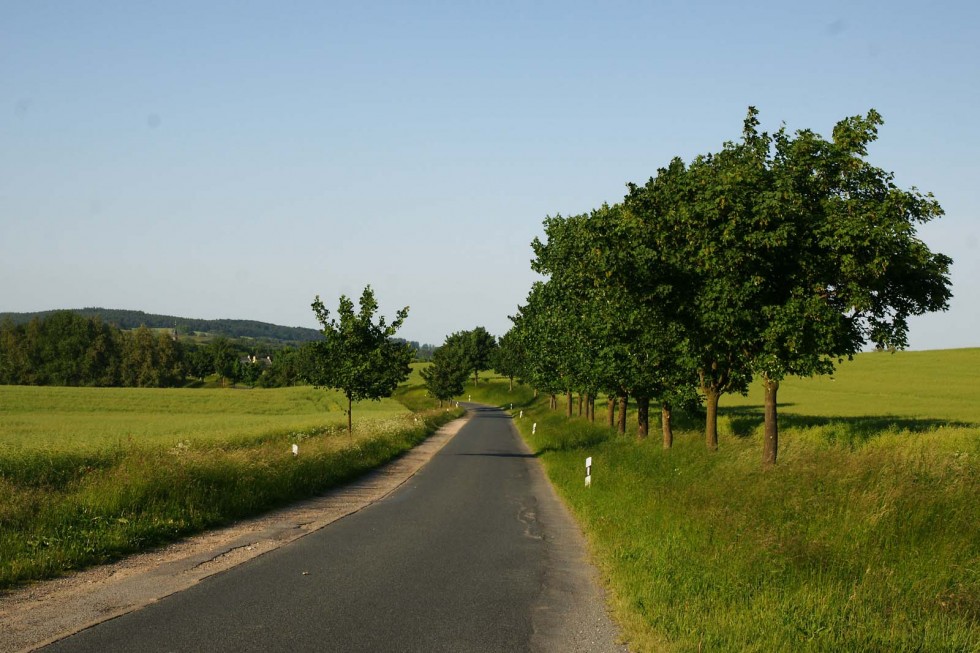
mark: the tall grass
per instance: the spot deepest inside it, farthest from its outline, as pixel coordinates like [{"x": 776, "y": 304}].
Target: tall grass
[
  {"x": 77, "y": 495},
  {"x": 864, "y": 537}
]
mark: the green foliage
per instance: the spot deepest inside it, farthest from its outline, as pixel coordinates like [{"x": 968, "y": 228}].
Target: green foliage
[
  {"x": 445, "y": 377},
  {"x": 357, "y": 355},
  {"x": 475, "y": 349},
  {"x": 67, "y": 349},
  {"x": 125, "y": 320},
  {"x": 778, "y": 255}
]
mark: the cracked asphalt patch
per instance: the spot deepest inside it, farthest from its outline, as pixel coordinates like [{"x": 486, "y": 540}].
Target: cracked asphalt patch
[{"x": 45, "y": 612}]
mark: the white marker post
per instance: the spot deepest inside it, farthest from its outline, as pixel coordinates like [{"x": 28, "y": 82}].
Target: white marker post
[
  {"x": 522, "y": 414},
  {"x": 534, "y": 428},
  {"x": 588, "y": 471},
  {"x": 295, "y": 449}
]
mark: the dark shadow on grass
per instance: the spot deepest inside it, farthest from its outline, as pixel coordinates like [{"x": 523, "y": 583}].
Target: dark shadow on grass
[
  {"x": 499, "y": 455},
  {"x": 744, "y": 420}
]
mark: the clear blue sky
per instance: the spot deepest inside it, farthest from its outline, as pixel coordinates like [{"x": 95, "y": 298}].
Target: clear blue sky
[{"x": 234, "y": 159}]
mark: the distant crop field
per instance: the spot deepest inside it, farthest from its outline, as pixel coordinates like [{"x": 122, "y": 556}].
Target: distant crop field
[
  {"x": 93, "y": 418},
  {"x": 931, "y": 385}
]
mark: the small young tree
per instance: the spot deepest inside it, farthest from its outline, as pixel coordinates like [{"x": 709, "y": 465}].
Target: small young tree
[{"x": 357, "y": 355}]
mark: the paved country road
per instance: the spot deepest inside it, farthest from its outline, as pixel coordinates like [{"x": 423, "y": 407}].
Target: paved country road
[{"x": 473, "y": 553}]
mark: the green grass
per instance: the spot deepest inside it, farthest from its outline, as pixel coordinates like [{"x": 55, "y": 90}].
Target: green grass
[
  {"x": 86, "y": 418},
  {"x": 864, "y": 537},
  {"x": 88, "y": 474}
]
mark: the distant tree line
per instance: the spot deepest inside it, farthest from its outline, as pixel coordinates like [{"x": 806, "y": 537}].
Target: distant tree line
[
  {"x": 65, "y": 348},
  {"x": 126, "y": 320},
  {"x": 463, "y": 353}
]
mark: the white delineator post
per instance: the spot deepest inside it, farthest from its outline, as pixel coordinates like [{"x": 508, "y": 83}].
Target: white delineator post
[
  {"x": 295, "y": 449},
  {"x": 522, "y": 414},
  {"x": 588, "y": 471},
  {"x": 534, "y": 428}
]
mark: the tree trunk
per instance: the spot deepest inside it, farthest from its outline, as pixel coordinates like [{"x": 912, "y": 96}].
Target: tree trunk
[
  {"x": 623, "y": 405},
  {"x": 642, "y": 417},
  {"x": 611, "y": 407},
  {"x": 511, "y": 387},
  {"x": 535, "y": 393},
  {"x": 580, "y": 404},
  {"x": 553, "y": 402},
  {"x": 771, "y": 444},
  {"x": 592, "y": 409},
  {"x": 711, "y": 426},
  {"x": 350, "y": 422},
  {"x": 571, "y": 403},
  {"x": 665, "y": 414}
]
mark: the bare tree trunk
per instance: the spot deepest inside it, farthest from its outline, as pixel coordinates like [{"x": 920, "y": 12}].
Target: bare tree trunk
[
  {"x": 611, "y": 407},
  {"x": 665, "y": 414},
  {"x": 580, "y": 404},
  {"x": 623, "y": 405},
  {"x": 553, "y": 402},
  {"x": 511, "y": 388},
  {"x": 642, "y": 417},
  {"x": 711, "y": 425},
  {"x": 571, "y": 403},
  {"x": 770, "y": 445},
  {"x": 350, "y": 422}
]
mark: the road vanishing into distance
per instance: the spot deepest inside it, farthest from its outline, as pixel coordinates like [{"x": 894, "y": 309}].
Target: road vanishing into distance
[{"x": 472, "y": 553}]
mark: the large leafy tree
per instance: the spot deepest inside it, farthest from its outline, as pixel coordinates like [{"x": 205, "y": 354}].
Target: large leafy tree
[
  {"x": 852, "y": 271},
  {"x": 793, "y": 252},
  {"x": 358, "y": 355},
  {"x": 446, "y": 376},
  {"x": 508, "y": 359},
  {"x": 475, "y": 348}
]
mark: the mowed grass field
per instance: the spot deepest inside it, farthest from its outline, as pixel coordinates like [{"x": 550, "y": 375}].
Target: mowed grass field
[
  {"x": 90, "y": 474},
  {"x": 865, "y": 536}
]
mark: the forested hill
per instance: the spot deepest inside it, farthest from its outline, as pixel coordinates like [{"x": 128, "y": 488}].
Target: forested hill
[{"x": 229, "y": 328}]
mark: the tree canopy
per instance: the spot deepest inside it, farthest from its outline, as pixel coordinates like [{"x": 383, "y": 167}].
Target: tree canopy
[
  {"x": 780, "y": 254},
  {"x": 358, "y": 355}
]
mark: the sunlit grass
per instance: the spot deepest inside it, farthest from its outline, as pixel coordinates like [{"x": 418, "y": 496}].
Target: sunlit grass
[
  {"x": 87, "y": 475},
  {"x": 85, "y": 418},
  {"x": 864, "y": 537}
]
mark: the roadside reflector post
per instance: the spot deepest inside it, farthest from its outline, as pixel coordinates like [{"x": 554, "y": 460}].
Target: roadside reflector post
[
  {"x": 588, "y": 471},
  {"x": 522, "y": 414},
  {"x": 295, "y": 449},
  {"x": 534, "y": 428}
]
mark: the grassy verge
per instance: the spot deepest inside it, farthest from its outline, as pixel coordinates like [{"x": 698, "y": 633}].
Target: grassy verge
[
  {"x": 86, "y": 500},
  {"x": 865, "y": 537}
]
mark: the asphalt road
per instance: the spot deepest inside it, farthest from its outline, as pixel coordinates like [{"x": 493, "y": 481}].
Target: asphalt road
[{"x": 473, "y": 553}]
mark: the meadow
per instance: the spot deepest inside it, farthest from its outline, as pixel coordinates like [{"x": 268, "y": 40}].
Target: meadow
[
  {"x": 865, "y": 536},
  {"x": 91, "y": 474}
]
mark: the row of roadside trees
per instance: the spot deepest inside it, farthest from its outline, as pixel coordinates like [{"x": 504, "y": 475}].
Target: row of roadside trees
[{"x": 779, "y": 255}]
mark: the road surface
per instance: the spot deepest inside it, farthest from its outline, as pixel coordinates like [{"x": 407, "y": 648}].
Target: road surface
[{"x": 473, "y": 553}]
